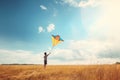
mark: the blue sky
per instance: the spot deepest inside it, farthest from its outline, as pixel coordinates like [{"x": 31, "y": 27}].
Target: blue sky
[
  {"x": 20, "y": 21},
  {"x": 26, "y": 27}
]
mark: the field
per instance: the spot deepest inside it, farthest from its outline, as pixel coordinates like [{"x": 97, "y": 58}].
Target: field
[{"x": 60, "y": 72}]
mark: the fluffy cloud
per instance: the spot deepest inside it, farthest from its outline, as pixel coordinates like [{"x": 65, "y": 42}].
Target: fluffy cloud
[
  {"x": 40, "y": 29},
  {"x": 83, "y": 3},
  {"x": 50, "y": 27},
  {"x": 89, "y": 3},
  {"x": 78, "y": 56},
  {"x": 19, "y": 56},
  {"x": 96, "y": 50},
  {"x": 43, "y": 7}
]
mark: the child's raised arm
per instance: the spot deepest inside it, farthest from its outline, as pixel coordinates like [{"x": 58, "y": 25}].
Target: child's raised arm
[{"x": 49, "y": 53}]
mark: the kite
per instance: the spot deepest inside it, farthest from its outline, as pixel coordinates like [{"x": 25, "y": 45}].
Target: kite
[{"x": 56, "y": 39}]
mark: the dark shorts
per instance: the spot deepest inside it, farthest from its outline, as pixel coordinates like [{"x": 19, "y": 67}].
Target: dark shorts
[{"x": 45, "y": 61}]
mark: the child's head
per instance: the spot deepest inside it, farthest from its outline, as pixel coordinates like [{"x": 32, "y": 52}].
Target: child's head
[{"x": 45, "y": 53}]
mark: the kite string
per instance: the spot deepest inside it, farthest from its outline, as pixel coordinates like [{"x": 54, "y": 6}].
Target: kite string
[{"x": 51, "y": 49}]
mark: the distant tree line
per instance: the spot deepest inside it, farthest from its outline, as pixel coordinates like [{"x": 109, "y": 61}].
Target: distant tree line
[
  {"x": 19, "y": 64},
  {"x": 117, "y": 62}
]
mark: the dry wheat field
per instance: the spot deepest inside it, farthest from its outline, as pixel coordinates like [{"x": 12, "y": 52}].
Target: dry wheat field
[{"x": 60, "y": 72}]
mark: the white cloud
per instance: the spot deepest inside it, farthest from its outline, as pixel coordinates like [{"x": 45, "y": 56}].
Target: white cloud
[
  {"x": 40, "y": 29},
  {"x": 83, "y": 3},
  {"x": 20, "y": 56},
  {"x": 43, "y": 7},
  {"x": 50, "y": 27},
  {"x": 79, "y": 52},
  {"x": 91, "y": 50},
  {"x": 71, "y": 2},
  {"x": 87, "y": 3},
  {"x": 79, "y": 56}
]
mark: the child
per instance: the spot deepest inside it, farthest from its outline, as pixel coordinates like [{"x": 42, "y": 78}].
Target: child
[{"x": 45, "y": 59}]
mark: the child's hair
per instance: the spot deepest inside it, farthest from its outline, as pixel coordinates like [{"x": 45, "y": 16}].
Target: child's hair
[{"x": 45, "y": 53}]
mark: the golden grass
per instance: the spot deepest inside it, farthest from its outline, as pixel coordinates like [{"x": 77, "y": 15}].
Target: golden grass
[{"x": 60, "y": 72}]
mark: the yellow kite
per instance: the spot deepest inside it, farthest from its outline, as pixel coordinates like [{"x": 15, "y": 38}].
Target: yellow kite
[{"x": 56, "y": 40}]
